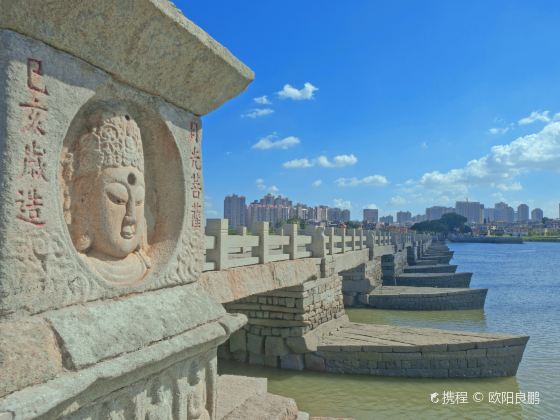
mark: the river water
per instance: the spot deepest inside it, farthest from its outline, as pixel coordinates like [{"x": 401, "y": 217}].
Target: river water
[{"x": 523, "y": 298}]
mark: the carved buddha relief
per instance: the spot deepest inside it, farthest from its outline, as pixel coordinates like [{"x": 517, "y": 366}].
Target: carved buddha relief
[{"x": 104, "y": 198}]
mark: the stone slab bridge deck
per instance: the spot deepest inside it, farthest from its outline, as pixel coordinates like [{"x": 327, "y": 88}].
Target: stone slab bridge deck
[{"x": 293, "y": 287}]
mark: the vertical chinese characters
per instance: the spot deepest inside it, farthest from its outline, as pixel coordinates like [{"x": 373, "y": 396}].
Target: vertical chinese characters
[
  {"x": 35, "y": 112},
  {"x": 196, "y": 177}
]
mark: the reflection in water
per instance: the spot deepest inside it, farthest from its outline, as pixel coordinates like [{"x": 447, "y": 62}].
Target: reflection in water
[{"x": 523, "y": 298}]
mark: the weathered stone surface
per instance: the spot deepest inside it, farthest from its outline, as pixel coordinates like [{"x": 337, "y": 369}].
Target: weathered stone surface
[
  {"x": 255, "y": 344},
  {"x": 237, "y": 283},
  {"x": 206, "y": 72},
  {"x": 275, "y": 346},
  {"x": 29, "y": 354},
  {"x": 314, "y": 362},
  {"x": 265, "y": 407},
  {"x": 292, "y": 362},
  {"x": 234, "y": 390},
  {"x": 238, "y": 341},
  {"x": 100, "y": 330},
  {"x": 42, "y": 268}
]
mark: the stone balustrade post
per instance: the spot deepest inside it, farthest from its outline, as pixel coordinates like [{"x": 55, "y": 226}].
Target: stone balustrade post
[
  {"x": 318, "y": 241},
  {"x": 361, "y": 236},
  {"x": 330, "y": 245},
  {"x": 218, "y": 228},
  {"x": 291, "y": 230},
  {"x": 242, "y": 231},
  {"x": 261, "y": 229},
  {"x": 371, "y": 242},
  {"x": 353, "y": 235},
  {"x": 342, "y": 233}
]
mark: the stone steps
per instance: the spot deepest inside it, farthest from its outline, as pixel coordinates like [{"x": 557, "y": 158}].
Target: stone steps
[
  {"x": 387, "y": 350},
  {"x": 461, "y": 280},
  {"x": 426, "y": 298}
]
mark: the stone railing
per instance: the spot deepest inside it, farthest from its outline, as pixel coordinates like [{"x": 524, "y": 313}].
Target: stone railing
[{"x": 225, "y": 250}]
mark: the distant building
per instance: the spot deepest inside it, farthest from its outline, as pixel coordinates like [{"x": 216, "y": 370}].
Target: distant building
[
  {"x": 537, "y": 215},
  {"x": 488, "y": 215},
  {"x": 334, "y": 214},
  {"x": 472, "y": 210},
  {"x": 404, "y": 217},
  {"x": 435, "y": 212},
  {"x": 388, "y": 220},
  {"x": 321, "y": 213},
  {"x": 235, "y": 210},
  {"x": 523, "y": 213},
  {"x": 371, "y": 215},
  {"x": 504, "y": 213},
  {"x": 345, "y": 216},
  {"x": 269, "y": 209}
]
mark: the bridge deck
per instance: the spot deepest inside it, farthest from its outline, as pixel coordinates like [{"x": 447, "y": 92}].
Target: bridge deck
[{"x": 387, "y": 350}]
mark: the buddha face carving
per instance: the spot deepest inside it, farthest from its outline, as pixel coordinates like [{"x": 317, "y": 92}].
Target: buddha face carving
[{"x": 104, "y": 203}]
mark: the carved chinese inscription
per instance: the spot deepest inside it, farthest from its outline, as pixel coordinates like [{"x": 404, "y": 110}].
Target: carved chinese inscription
[
  {"x": 196, "y": 177},
  {"x": 29, "y": 197}
]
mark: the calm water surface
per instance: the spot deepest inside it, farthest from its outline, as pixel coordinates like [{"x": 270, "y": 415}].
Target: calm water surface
[{"x": 523, "y": 298}]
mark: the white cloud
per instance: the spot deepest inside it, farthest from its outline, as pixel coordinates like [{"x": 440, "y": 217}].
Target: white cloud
[
  {"x": 500, "y": 167},
  {"x": 535, "y": 116},
  {"x": 290, "y": 92},
  {"x": 514, "y": 186},
  {"x": 372, "y": 206},
  {"x": 273, "y": 189},
  {"x": 322, "y": 161},
  {"x": 262, "y": 100},
  {"x": 371, "y": 180},
  {"x": 268, "y": 142},
  {"x": 342, "y": 204},
  {"x": 257, "y": 112},
  {"x": 298, "y": 163},
  {"x": 397, "y": 200},
  {"x": 424, "y": 145},
  {"x": 498, "y": 130},
  {"x": 557, "y": 116},
  {"x": 317, "y": 183}
]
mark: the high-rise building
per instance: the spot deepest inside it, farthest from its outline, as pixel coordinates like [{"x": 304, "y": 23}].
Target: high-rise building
[
  {"x": 488, "y": 215},
  {"x": 404, "y": 217},
  {"x": 321, "y": 213},
  {"x": 537, "y": 215},
  {"x": 269, "y": 209},
  {"x": 387, "y": 220},
  {"x": 334, "y": 214},
  {"x": 523, "y": 213},
  {"x": 235, "y": 210},
  {"x": 345, "y": 216},
  {"x": 371, "y": 215},
  {"x": 435, "y": 212},
  {"x": 472, "y": 210},
  {"x": 504, "y": 213}
]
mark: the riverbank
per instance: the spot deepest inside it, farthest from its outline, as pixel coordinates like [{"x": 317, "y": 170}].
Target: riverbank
[{"x": 523, "y": 297}]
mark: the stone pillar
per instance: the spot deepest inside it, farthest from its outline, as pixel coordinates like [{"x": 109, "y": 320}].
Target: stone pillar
[{"x": 101, "y": 210}]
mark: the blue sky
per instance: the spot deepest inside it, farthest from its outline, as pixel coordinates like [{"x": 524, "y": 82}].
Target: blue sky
[{"x": 399, "y": 105}]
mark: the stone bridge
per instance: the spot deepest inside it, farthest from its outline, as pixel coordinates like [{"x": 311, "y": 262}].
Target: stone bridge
[{"x": 294, "y": 285}]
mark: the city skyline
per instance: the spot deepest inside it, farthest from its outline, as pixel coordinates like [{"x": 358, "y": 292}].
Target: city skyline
[
  {"x": 276, "y": 208},
  {"x": 404, "y": 119}
]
